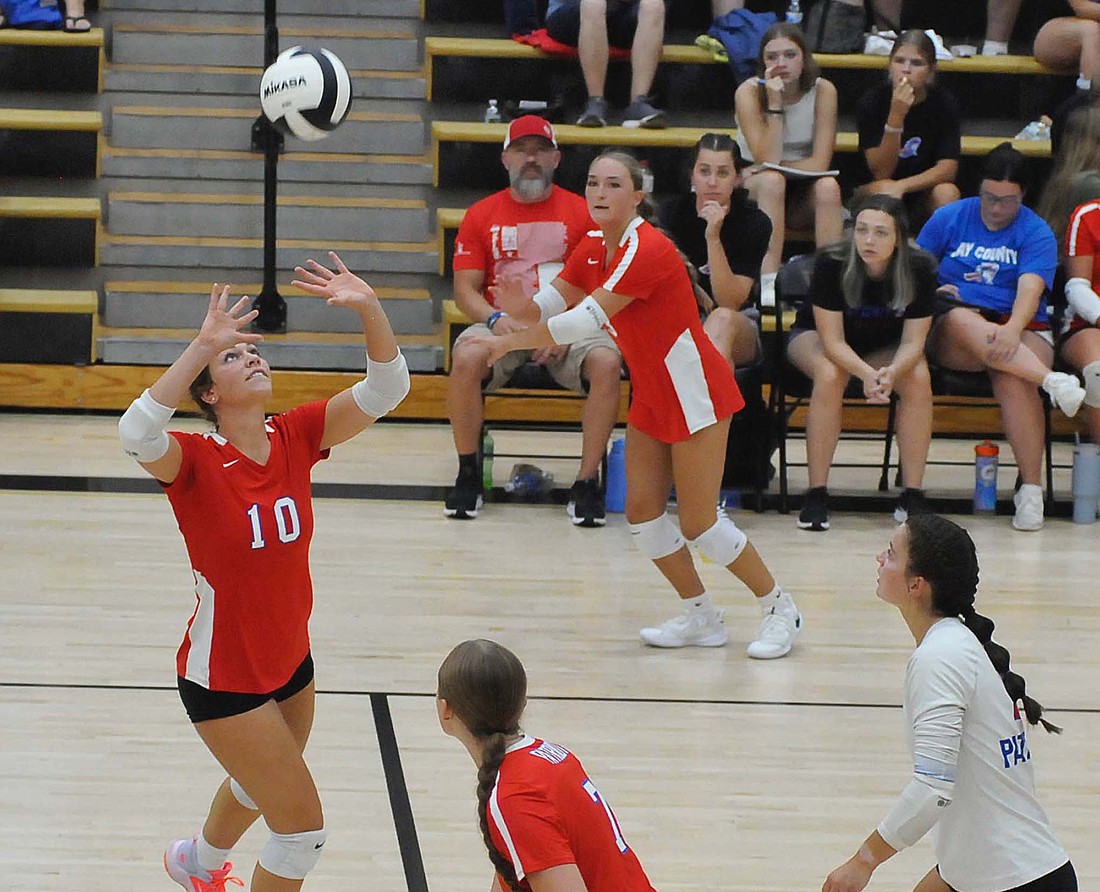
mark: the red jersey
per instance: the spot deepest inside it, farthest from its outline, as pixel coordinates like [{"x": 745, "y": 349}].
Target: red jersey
[
  {"x": 545, "y": 812},
  {"x": 247, "y": 528},
  {"x": 680, "y": 382},
  {"x": 507, "y": 238}
]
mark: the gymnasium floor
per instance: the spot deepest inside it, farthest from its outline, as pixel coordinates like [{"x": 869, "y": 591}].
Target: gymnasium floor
[{"x": 724, "y": 773}]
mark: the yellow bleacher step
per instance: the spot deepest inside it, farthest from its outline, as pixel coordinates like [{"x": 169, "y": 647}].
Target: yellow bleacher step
[
  {"x": 165, "y": 111},
  {"x": 38, "y": 300},
  {"x": 287, "y": 290},
  {"x": 67, "y": 335},
  {"x": 21, "y": 37},
  {"x": 256, "y": 70},
  {"x": 233, "y": 155},
  {"x": 330, "y": 201},
  {"x": 34, "y": 206},
  {"x": 314, "y": 33},
  {"x": 293, "y": 337},
  {"x": 50, "y": 119},
  {"x": 110, "y": 238}
]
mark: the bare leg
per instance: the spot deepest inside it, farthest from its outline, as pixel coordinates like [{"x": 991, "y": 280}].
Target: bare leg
[
  {"x": 602, "y": 368},
  {"x": 592, "y": 45},
  {"x": 888, "y": 14},
  {"x": 960, "y": 340},
  {"x": 932, "y": 882},
  {"x": 646, "y": 51},
  {"x": 914, "y": 423},
  {"x": 1000, "y": 19},
  {"x": 735, "y": 335},
  {"x": 1080, "y": 350},
  {"x": 823, "y": 424},
  {"x": 769, "y": 190},
  {"x": 828, "y": 214},
  {"x": 464, "y": 401},
  {"x": 722, "y": 7},
  {"x": 1066, "y": 44}
]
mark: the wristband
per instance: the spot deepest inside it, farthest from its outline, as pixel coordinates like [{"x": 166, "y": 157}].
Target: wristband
[
  {"x": 775, "y": 111},
  {"x": 494, "y": 318},
  {"x": 888, "y": 129}
]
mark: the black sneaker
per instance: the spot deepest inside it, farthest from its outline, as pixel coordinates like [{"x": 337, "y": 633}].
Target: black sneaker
[
  {"x": 815, "y": 510},
  {"x": 910, "y": 503},
  {"x": 464, "y": 501},
  {"x": 586, "y": 504}
]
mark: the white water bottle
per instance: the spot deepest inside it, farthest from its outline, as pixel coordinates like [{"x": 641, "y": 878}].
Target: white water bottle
[
  {"x": 1086, "y": 482},
  {"x": 794, "y": 12},
  {"x": 492, "y": 113}
]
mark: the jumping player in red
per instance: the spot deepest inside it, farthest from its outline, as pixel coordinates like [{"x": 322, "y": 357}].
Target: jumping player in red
[
  {"x": 544, "y": 822},
  {"x": 241, "y": 496},
  {"x": 628, "y": 278}
]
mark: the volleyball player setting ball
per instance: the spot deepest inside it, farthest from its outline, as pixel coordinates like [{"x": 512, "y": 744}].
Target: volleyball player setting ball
[
  {"x": 241, "y": 496},
  {"x": 544, "y": 822},
  {"x": 629, "y": 279},
  {"x": 972, "y": 781}
]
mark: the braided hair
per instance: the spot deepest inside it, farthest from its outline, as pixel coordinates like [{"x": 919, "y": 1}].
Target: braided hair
[
  {"x": 943, "y": 553},
  {"x": 486, "y": 686}
]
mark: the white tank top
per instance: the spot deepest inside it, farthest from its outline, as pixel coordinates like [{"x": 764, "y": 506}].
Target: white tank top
[{"x": 798, "y": 129}]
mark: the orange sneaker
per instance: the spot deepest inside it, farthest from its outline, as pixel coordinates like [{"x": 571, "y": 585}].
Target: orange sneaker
[{"x": 175, "y": 861}]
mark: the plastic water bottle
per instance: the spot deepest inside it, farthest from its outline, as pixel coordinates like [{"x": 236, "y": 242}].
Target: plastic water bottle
[
  {"x": 615, "y": 499},
  {"x": 487, "y": 460},
  {"x": 492, "y": 113},
  {"x": 528, "y": 482},
  {"x": 985, "y": 477},
  {"x": 647, "y": 177},
  {"x": 794, "y": 12},
  {"x": 1086, "y": 482}
]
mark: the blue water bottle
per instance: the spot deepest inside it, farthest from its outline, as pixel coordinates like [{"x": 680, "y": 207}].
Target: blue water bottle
[
  {"x": 1086, "y": 482},
  {"x": 985, "y": 477},
  {"x": 616, "y": 478}
]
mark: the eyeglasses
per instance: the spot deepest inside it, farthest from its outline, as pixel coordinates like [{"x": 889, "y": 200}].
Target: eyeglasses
[{"x": 1007, "y": 201}]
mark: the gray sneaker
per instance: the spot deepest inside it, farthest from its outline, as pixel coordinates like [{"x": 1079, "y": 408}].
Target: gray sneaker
[
  {"x": 640, "y": 113},
  {"x": 595, "y": 113}
]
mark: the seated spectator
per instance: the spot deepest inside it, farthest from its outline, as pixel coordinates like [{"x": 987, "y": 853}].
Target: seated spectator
[
  {"x": 524, "y": 233},
  {"x": 996, "y": 261},
  {"x": 1000, "y": 19},
  {"x": 724, "y": 235},
  {"x": 871, "y": 310},
  {"x": 591, "y": 26},
  {"x": 909, "y": 131},
  {"x": 787, "y": 116},
  {"x": 1071, "y": 40}
]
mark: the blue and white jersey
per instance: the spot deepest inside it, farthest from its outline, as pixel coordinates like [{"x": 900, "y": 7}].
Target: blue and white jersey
[
  {"x": 984, "y": 264},
  {"x": 994, "y": 834}
]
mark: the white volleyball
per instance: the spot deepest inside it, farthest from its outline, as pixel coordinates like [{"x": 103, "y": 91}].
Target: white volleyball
[{"x": 306, "y": 92}]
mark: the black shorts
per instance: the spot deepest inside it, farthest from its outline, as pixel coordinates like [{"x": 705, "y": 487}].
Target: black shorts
[
  {"x": 564, "y": 25},
  {"x": 943, "y": 304},
  {"x": 202, "y": 704},
  {"x": 1061, "y": 880}
]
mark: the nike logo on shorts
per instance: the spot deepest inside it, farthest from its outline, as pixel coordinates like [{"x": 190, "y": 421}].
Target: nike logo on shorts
[{"x": 229, "y": 464}]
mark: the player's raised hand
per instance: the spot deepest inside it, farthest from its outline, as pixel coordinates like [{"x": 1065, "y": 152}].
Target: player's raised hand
[
  {"x": 341, "y": 287},
  {"x": 224, "y": 326}
]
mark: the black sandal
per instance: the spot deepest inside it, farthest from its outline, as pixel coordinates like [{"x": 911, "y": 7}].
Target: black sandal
[{"x": 72, "y": 22}]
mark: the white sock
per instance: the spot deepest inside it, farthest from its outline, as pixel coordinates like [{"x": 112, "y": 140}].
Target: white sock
[
  {"x": 1091, "y": 374},
  {"x": 1084, "y": 83},
  {"x": 207, "y": 857},
  {"x": 994, "y": 48},
  {"x": 700, "y": 603},
  {"x": 767, "y": 289},
  {"x": 771, "y": 600}
]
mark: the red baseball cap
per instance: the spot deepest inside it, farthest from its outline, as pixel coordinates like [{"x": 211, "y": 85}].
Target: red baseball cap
[{"x": 530, "y": 125}]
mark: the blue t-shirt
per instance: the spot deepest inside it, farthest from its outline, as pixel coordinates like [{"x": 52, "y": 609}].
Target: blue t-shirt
[{"x": 985, "y": 265}]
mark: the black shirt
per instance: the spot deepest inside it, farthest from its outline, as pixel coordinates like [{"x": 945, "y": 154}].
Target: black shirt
[
  {"x": 745, "y": 233},
  {"x": 930, "y": 132},
  {"x": 874, "y": 323}
]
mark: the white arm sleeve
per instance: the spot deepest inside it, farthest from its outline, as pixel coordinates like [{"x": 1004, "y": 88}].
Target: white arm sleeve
[
  {"x": 583, "y": 321},
  {"x": 386, "y": 385},
  {"x": 1083, "y": 300},
  {"x": 918, "y": 808},
  {"x": 142, "y": 428},
  {"x": 550, "y": 302}
]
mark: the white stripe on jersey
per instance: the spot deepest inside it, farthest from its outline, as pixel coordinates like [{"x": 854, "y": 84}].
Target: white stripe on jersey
[
  {"x": 498, "y": 819},
  {"x": 201, "y": 634},
  {"x": 1071, "y": 248},
  {"x": 685, "y": 368},
  {"x": 630, "y": 239}
]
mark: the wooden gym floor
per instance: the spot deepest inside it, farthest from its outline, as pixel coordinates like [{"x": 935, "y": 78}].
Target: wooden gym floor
[{"x": 725, "y": 773}]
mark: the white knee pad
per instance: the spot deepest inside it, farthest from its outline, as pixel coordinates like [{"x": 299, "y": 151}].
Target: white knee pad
[
  {"x": 292, "y": 855},
  {"x": 1091, "y": 374},
  {"x": 723, "y": 542},
  {"x": 657, "y": 538},
  {"x": 241, "y": 796}
]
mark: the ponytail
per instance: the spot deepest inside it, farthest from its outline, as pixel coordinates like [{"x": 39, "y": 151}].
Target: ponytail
[
  {"x": 943, "y": 553},
  {"x": 492, "y": 756}
]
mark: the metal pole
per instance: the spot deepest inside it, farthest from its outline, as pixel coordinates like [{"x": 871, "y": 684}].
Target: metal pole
[{"x": 269, "y": 302}]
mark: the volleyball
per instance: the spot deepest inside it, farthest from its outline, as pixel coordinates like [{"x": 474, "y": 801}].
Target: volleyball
[{"x": 306, "y": 92}]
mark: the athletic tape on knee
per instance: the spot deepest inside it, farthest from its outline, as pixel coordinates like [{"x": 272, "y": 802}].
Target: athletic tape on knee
[
  {"x": 241, "y": 796},
  {"x": 723, "y": 542},
  {"x": 292, "y": 855},
  {"x": 1091, "y": 374},
  {"x": 657, "y": 538}
]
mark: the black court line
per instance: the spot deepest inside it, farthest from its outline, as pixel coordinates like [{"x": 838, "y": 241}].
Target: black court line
[
  {"x": 400, "y": 806},
  {"x": 550, "y": 698}
]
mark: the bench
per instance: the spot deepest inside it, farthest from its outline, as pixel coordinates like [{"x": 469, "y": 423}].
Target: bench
[
  {"x": 58, "y": 327},
  {"x": 51, "y": 232},
  {"x": 50, "y": 142}
]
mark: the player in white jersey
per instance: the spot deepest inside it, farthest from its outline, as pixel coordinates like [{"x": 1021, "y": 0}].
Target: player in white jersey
[{"x": 972, "y": 775}]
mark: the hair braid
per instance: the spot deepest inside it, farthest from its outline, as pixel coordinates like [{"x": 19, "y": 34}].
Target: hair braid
[
  {"x": 492, "y": 756},
  {"x": 943, "y": 553}
]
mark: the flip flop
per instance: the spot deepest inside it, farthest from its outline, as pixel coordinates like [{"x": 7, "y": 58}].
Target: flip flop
[{"x": 73, "y": 24}]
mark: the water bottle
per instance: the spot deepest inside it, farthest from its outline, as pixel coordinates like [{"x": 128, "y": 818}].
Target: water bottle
[
  {"x": 528, "y": 482},
  {"x": 794, "y": 13},
  {"x": 647, "y": 177},
  {"x": 985, "y": 477},
  {"x": 492, "y": 113},
  {"x": 615, "y": 499},
  {"x": 1086, "y": 482},
  {"x": 487, "y": 460}
]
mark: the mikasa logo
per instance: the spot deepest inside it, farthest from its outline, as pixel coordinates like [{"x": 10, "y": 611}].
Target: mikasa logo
[{"x": 279, "y": 86}]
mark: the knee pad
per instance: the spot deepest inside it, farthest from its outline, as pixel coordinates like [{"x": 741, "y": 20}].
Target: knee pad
[
  {"x": 241, "y": 796},
  {"x": 723, "y": 542},
  {"x": 292, "y": 855},
  {"x": 657, "y": 538},
  {"x": 1091, "y": 374}
]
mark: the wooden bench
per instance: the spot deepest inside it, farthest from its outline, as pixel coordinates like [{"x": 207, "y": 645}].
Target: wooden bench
[
  {"x": 60, "y": 61},
  {"x": 51, "y": 142},
  {"x": 49, "y": 232},
  {"x": 57, "y": 327}
]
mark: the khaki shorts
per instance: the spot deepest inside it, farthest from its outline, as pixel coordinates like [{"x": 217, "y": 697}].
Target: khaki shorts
[{"x": 565, "y": 371}]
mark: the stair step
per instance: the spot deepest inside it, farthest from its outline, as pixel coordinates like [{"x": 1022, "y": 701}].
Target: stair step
[
  {"x": 158, "y": 304},
  {"x": 190, "y": 214},
  {"x": 52, "y": 39},
  {"x": 48, "y": 326},
  {"x": 230, "y": 128},
  {"x": 50, "y": 142},
  {"x": 50, "y": 119},
  {"x": 294, "y": 167},
  {"x": 51, "y": 61},
  {"x": 386, "y": 50}
]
